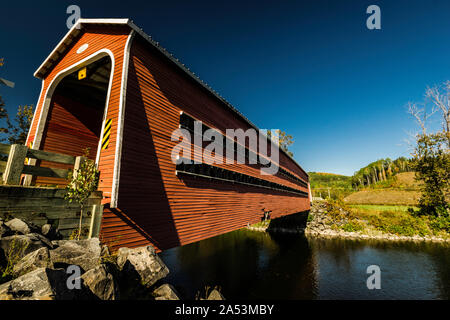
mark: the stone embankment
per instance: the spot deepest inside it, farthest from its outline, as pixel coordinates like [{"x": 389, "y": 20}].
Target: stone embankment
[{"x": 41, "y": 267}]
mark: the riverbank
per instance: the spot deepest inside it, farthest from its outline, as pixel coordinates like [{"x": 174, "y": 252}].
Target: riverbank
[{"x": 330, "y": 220}]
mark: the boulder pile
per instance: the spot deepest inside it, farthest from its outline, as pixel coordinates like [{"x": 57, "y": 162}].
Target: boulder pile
[{"x": 41, "y": 267}]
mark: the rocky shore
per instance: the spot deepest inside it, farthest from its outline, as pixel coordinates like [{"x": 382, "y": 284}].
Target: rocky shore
[
  {"x": 281, "y": 230},
  {"x": 38, "y": 266}
]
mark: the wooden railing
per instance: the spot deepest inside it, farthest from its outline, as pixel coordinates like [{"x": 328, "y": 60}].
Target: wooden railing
[{"x": 15, "y": 166}]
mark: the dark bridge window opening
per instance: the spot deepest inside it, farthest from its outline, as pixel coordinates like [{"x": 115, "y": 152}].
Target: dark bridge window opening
[
  {"x": 211, "y": 172},
  {"x": 187, "y": 122},
  {"x": 75, "y": 116}
]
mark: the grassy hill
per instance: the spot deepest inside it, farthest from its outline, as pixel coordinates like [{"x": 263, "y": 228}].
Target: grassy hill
[
  {"x": 338, "y": 185},
  {"x": 401, "y": 189}
]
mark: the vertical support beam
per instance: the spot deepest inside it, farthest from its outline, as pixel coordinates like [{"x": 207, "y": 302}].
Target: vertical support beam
[
  {"x": 96, "y": 221},
  {"x": 309, "y": 193},
  {"x": 14, "y": 166}
]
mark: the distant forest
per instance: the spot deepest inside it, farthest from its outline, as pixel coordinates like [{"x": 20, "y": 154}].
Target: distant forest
[
  {"x": 380, "y": 170},
  {"x": 335, "y": 185}
]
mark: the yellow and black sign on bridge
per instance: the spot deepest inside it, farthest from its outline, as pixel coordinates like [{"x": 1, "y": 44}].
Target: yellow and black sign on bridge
[
  {"x": 106, "y": 134},
  {"x": 82, "y": 73}
]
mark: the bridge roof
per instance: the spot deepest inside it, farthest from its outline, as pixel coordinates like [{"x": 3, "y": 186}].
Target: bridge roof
[{"x": 73, "y": 33}]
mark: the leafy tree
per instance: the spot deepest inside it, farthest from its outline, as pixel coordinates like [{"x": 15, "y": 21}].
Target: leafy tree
[
  {"x": 82, "y": 183},
  {"x": 18, "y": 130},
  {"x": 431, "y": 154},
  {"x": 328, "y": 184},
  {"x": 3, "y": 113},
  {"x": 284, "y": 141},
  {"x": 432, "y": 165}
]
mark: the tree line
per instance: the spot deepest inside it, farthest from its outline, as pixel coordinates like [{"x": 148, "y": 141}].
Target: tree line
[
  {"x": 380, "y": 170},
  {"x": 15, "y": 131}
]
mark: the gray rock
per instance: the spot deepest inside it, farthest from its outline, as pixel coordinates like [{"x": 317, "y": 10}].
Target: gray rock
[
  {"x": 40, "y": 284},
  {"x": 50, "y": 232},
  {"x": 17, "y": 225},
  {"x": 142, "y": 263},
  {"x": 18, "y": 246},
  {"x": 101, "y": 283},
  {"x": 105, "y": 251},
  {"x": 5, "y": 231},
  {"x": 4, "y": 291},
  {"x": 166, "y": 292},
  {"x": 215, "y": 295},
  {"x": 56, "y": 243},
  {"x": 46, "y": 229},
  {"x": 39, "y": 258},
  {"x": 84, "y": 253}
]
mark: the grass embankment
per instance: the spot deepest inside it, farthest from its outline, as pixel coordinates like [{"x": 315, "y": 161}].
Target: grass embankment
[
  {"x": 398, "y": 220},
  {"x": 261, "y": 224}
]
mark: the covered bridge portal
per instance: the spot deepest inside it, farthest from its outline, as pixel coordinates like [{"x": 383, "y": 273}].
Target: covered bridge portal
[{"x": 110, "y": 87}]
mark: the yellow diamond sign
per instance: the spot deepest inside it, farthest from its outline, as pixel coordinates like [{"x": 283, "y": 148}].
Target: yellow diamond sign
[{"x": 82, "y": 74}]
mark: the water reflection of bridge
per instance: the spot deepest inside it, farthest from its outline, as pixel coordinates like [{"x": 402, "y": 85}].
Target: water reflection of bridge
[{"x": 256, "y": 265}]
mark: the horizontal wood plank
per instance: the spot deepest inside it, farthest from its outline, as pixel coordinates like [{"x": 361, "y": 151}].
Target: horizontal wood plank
[
  {"x": 4, "y": 148},
  {"x": 2, "y": 166},
  {"x": 46, "y": 172},
  {"x": 50, "y": 156}
]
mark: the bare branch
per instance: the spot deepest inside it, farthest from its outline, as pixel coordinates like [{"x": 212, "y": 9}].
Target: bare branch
[
  {"x": 419, "y": 114},
  {"x": 440, "y": 98}
]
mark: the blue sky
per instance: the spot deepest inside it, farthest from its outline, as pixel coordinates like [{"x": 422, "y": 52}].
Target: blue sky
[{"x": 310, "y": 68}]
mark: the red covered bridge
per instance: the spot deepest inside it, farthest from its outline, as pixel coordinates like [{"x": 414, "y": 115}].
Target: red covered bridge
[{"x": 108, "y": 86}]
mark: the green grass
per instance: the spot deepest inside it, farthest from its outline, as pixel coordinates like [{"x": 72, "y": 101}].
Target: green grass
[
  {"x": 261, "y": 224},
  {"x": 400, "y": 223},
  {"x": 14, "y": 253},
  {"x": 393, "y": 219},
  {"x": 353, "y": 226},
  {"x": 380, "y": 208}
]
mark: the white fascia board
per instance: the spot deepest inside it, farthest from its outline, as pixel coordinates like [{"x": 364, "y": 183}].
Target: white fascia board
[{"x": 67, "y": 39}]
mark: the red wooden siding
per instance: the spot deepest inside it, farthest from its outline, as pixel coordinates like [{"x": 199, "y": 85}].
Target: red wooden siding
[
  {"x": 172, "y": 210},
  {"x": 155, "y": 206},
  {"x": 71, "y": 127},
  {"x": 114, "y": 39}
]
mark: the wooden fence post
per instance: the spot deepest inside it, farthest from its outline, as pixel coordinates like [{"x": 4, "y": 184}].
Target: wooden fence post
[
  {"x": 14, "y": 166},
  {"x": 96, "y": 221},
  {"x": 78, "y": 161}
]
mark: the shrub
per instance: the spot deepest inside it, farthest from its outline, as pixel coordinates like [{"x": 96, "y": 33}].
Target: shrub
[
  {"x": 82, "y": 184},
  {"x": 353, "y": 226},
  {"x": 15, "y": 252},
  {"x": 440, "y": 224}
]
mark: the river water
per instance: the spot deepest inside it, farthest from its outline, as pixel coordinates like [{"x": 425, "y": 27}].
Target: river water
[{"x": 256, "y": 265}]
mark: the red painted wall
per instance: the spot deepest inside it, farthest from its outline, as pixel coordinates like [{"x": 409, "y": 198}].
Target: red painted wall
[
  {"x": 169, "y": 210},
  {"x": 155, "y": 206}
]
